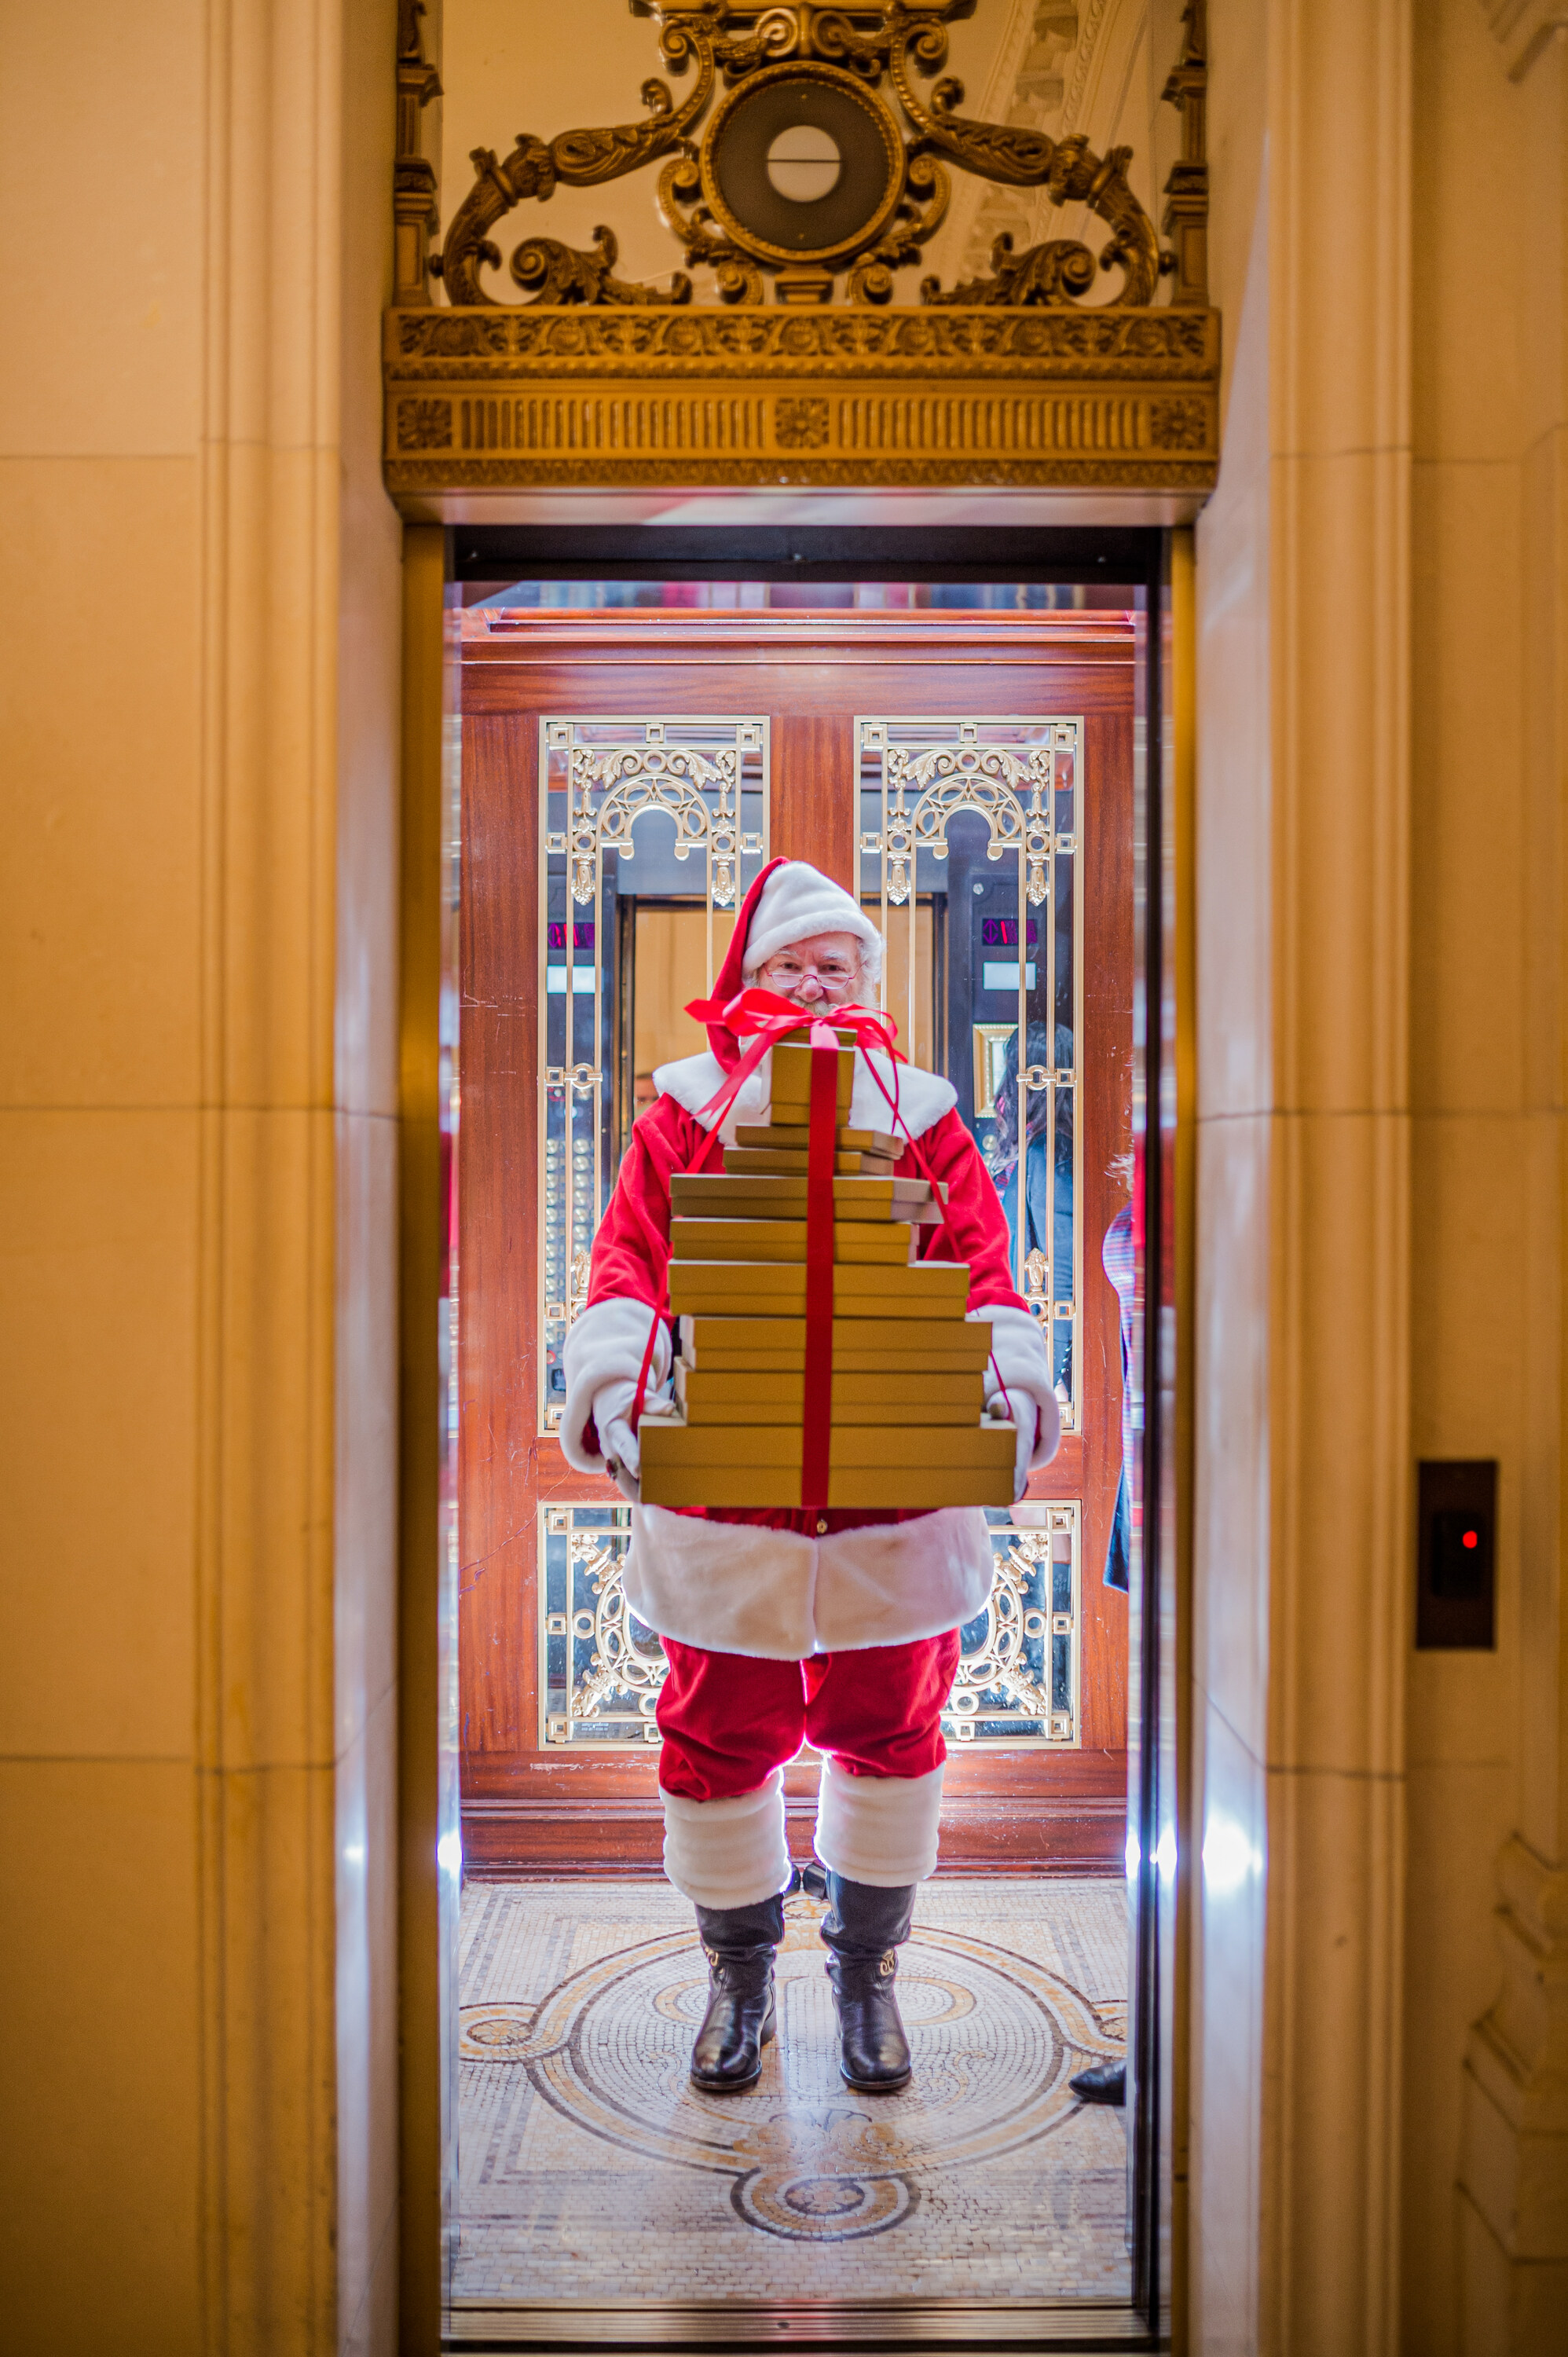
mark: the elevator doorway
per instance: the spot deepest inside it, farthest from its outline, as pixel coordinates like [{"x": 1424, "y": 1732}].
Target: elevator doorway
[{"x": 965, "y": 759}]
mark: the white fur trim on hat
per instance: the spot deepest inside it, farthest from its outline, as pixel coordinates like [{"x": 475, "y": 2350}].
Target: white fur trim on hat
[
  {"x": 797, "y": 901},
  {"x": 727, "y": 1853},
  {"x": 878, "y": 1829}
]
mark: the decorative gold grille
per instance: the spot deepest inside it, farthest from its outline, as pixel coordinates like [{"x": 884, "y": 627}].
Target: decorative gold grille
[
  {"x": 600, "y": 1670},
  {"x": 546, "y": 367},
  {"x": 601, "y": 780},
  {"x": 1020, "y": 779}
]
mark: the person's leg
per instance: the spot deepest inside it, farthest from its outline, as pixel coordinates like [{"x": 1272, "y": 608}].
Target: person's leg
[
  {"x": 876, "y": 1715},
  {"x": 729, "y": 1722}
]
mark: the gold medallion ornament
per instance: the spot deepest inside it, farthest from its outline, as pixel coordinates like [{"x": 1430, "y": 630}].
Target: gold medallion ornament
[
  {"x": 820, "y": 169},
  {"x": 746, "y": 159}
]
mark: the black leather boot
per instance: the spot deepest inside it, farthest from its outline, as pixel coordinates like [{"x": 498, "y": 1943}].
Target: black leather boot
[
  {"x": 1102, "y": 2082},
  {"x": 864, "y": 1926},
  {"x": 738, "y": 1943}
]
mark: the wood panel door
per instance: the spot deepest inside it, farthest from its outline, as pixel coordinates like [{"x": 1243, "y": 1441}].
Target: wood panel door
[{"x": 537, "y": 1799}]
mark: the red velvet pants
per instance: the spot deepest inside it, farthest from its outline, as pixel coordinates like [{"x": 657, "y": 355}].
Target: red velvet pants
[{"x": 729, "y": 1719}]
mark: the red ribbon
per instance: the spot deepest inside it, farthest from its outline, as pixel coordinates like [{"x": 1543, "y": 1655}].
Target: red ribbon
[
  {"x": 925, "y": 1168},
  {"x": 640, "y": 1402},
  {"x": 764, "y": 1017},
  {"x": 817, "y": 1416},
  {"x": 764, "y": 1014}
]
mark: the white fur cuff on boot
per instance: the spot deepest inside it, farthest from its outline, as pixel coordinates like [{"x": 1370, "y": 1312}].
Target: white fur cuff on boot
[
  {"x": 727, "y": 1853},
  {"x": 878, "y": 1829}
]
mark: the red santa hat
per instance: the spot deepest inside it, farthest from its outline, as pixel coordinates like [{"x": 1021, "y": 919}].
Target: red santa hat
[{"x": 790, "y": 902}]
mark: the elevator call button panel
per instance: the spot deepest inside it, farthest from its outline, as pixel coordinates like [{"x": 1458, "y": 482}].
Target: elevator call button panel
[{"x": 1456, "y": 1605}]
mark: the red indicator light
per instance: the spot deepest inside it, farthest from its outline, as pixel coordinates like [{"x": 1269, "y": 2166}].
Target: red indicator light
[{"x": 1458, "y": 1540}]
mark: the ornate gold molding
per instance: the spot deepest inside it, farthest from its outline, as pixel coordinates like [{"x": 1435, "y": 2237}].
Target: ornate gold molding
[
  {"x": 579, "y": 158},
  {"x": 415, "y": 216},
  {"x": 551, "y": 395},
  {"x": 832, "y": 58},
  {"x": 490, "y": 342},
  {"x": 1186, "y": 216},
  {"x": 1066, "y": 168},
  {"x": 1005, "y": 380}
]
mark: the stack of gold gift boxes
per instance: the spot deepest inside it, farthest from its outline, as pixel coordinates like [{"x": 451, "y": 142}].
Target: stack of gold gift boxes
[{"x": 908, "y": 1429}]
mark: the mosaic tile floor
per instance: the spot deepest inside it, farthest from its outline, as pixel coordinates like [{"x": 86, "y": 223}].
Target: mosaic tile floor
[{"x": 594, "y": 2173}]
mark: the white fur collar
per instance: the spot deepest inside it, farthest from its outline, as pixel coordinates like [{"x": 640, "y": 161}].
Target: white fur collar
[
  {"x": 696, "y": 1078},
  {"x": 923, "y": 1097}
]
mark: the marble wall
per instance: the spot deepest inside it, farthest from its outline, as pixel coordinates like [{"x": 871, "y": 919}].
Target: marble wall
[
  {"x": 1381, "y": 609},
  {"x": 198, "y": 587},
  {"x": 1488, "y": 1734},
  {"x": 1234, "y": 1172}
]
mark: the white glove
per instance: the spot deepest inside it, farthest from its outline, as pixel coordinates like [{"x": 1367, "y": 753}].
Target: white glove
[
  {"x": 613, "y": 1403},
  {"x": 1027, "y": 1417},
  {"x": 1020, "y": 1372},
  {"x": 1019, "y": 1410}
]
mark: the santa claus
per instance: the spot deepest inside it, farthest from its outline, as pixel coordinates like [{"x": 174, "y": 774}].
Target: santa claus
[{"x": 835, "y": 1629}]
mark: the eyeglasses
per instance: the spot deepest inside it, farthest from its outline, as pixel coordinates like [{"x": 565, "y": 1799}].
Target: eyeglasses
[{"x": 831, "y": 974}]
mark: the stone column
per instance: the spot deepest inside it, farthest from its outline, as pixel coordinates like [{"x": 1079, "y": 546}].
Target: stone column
[
  {"x": 1302, "y": 1524},
  {"x": 198, "y": 581}
]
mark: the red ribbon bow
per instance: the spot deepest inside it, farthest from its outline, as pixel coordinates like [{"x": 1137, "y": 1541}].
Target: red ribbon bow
[{"x": 765, "y": 1019}]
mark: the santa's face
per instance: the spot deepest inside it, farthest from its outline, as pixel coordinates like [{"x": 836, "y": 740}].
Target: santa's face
[{"x": 822, "y": 971}]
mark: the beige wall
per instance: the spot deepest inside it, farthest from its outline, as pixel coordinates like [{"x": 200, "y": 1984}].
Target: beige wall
[
  {"x": 198, "y": 582},
  {"x": 1382, "y": 605}
]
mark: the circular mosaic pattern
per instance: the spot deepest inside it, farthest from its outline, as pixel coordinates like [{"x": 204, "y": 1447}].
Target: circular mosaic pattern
[
  {"x": 995, "y": 2039},
  {"x": 814, "y": 2208}
]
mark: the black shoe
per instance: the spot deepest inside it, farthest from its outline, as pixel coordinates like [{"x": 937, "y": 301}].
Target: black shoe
[
  {"x": 738, "y": 1943},
  {"x": 864, "y": 1926},
  {"x": 1102, "y": 2082}
]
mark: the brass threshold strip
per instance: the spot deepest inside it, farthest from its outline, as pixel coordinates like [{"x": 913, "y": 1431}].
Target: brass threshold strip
[{"x": 473, "y": 2326}]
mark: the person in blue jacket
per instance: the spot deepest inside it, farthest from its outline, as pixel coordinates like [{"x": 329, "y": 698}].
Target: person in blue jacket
[{"x": 1047, "y": 1208}]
